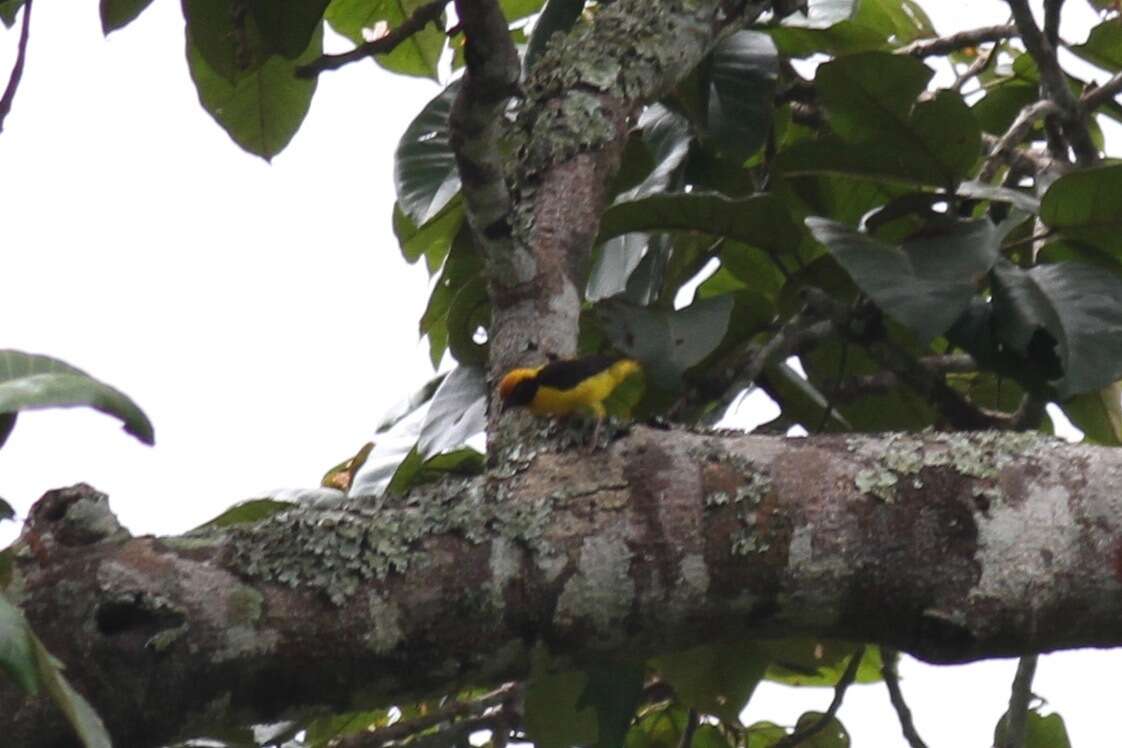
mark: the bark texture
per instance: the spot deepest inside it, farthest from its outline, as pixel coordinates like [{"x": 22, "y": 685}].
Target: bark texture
[{"x": 950, "y": 547}]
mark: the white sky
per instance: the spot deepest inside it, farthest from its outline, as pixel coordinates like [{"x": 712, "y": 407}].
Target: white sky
[{"x": 263, "y": 318}]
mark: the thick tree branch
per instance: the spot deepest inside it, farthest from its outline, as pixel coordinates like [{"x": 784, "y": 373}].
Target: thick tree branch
[
  {"x": 952, "y": 547},
  {"x": 17, "y": 68}
]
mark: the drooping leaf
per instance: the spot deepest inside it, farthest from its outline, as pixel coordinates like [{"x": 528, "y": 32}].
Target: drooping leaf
[
  {"x": 78, "y": 712},
  {"x": 666, "y": 342},
  {"x": 17, "y": 654},
  {"x": 433, "y": 240},
  {"x": 924, "y": 283},
  {"x": 30, "y": 381},
  {"x": 763, "y": 735},
  {"x": 1086, "y": 205},
  {"x": 802, "y": 402},
  {"x": 715, "y": 678},
  {"x": 264, "y": 108},
  {"x": 246, "y": 512},
  {"x": 1064, "y": 319},
  {"x": 613, "y": 693},
  {"x": 553, "y": 716},
  {"x": 116, "y": 14},
  {"x": 743, "y": 75},
  {"x": 1040, "y": 731},
  {"x": 414, "y": 470},
  {"x": 287, "y": 26},
  {"x": 833, "y": 735},
  {"x": 360, "y": 20},
  {"x": 1098, "y": 414},
  {"x": 613, "y": 264},
  {"x": 458, "y": 411},
  {"x": 403, "y": 408},
  {"x": 817, "y": 662},
  {"x": 666, "y": 140},
  {"x": 425, "y": 173},
  {"x": 225, "y": 38},
  {"x": 760, "y": 220}
]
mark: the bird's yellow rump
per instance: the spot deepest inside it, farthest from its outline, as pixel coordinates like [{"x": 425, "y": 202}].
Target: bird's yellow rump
[{"x": 562, "y": 387}]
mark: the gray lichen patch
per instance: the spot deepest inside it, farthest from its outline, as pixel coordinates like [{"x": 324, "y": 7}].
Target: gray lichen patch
[
  {"x": 386, "y": 633},
  {"x": 601, "y": 592},
  {"x": 877, "y": 482}
]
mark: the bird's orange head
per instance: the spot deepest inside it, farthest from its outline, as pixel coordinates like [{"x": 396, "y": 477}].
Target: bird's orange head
[{"x": 518, "y": 387}]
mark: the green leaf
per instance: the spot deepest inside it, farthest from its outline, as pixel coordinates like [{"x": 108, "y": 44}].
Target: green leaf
[
  {"x": 264, "y": 108},
  {"x": 425, "y": 173},
  {"x": 613, "y": 263},
  {"x": 666, "y": 138},
  {"x": 514, "y": 10},
  {"x": 659, "y": 728},
  {"x": 666, "y": 342},
  {"x": 287, "y": 26},
  {"x": 225, "y": 37},
  {"x": 743, "y": 75},
  {"x": 763, "y": 734},
  {"x": 833, "y": 735},
  {"x": 760, "y": 220},
  {"x": 870, "y": 99},
  {"x": 801, "y": 401},
  {"x": 1103, "y": 46},
  {"x": 7, "y": 423},
  {"x": 554, "y": 715},
  {"x": 557, "y": 17},
  {"x": 1098, "y": 415},
  {"x": 1086, "y": 204},
  {"x": 614, "y": 693},
  {"x": 403, "y": 408},
  {"x": 1040, "y": 732},
  {"x": 818, "y": 662},
  {"x": 247, "y": 512},
  {"x": 433, "y": 240},
  {"x": 469, "y": 312},
  {"x": 1065, "y": 319},
  {"x": 323, "y": 730},
  {"x": 715, "y": 678},
  {"x": 78, "y": 712},
  {"x": 17, "y": 655},
  {"x": 1002, "y": 103},
  {"x": 9, "y": 10},
  {"x": 29, "y": 381},
  {"x": 457, "y": 413},
  {"x": 924, "y": 283},
  {"x": 116, "y": 14},
  {"x": 6, "y": 512},
  {"x": 359, "y": 20}
]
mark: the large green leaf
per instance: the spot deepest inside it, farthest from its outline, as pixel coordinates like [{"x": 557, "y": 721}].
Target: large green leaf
[
  {"x": 116, "y": 14},
  {"x": 288, "y": 26},
  {"x": 1103, "y": 46},
  {"x": 763, "y": 734},
  {"x": 30, "y": 381},
  {"x": 1064, "y": 317},
  {"x": 555, "y": 717},
  {"x": 1098, "y": 415},
  {"x": 1087, "y": 205},
  {"x": 425, "y": 173},
  {"x": 924, "y": 283},
  {"x": 818, "y": 662},
  {"x": 359, "y": 20},
  {"x": 666, "y": 342},
  {"x": 715, "y": 678},
  {"x": 433, "y": 240},
  {"x": 1040, "y": 731},
  {"x": 743, "y": 73},
  {"x": 225, "y": 37},
  {"x": 666, "y": 140},
  {"x": 247, "y": 512},
  {"x": 17, "y": 651},
  {"x": 457, "y": 413},
  {"x": 870, "y": 99},
  {"x": 613, "y": 264},
  {"x": 613, "y": 692},
  {"x": 264, "y": 108},
  {"x": 833, "y": 735},
  {"x": 760, "y": 220}
]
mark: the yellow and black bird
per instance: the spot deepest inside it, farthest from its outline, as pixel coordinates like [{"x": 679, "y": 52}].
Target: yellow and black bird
[{"x": 563, "y": 387}]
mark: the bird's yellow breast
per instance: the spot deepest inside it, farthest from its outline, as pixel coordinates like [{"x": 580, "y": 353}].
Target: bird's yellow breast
[{"x": 588, "y": 393}]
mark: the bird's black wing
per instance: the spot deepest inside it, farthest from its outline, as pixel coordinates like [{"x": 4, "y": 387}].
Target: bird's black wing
[{"x": 567, "y": 374}]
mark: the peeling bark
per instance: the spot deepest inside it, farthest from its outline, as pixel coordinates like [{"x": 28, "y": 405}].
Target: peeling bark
[{"x": 951, "y": 547}]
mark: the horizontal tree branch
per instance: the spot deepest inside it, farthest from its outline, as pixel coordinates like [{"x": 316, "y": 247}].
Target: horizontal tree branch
[
  {"x": 952, "y": 547},
  {"x": 962, "y": 40}
]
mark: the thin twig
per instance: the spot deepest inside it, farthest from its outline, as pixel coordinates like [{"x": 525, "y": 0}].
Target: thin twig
[
  {"x": 977, "y": 67},
  {"x": 846, "y": 680},
  {"x": 1016, "y": 719},
  {"x": 883, "y": 381},
  {"x": 692, "y": 721},
  {"x": 962, "y": 40},
  {"x": 889, "y": 658},
  {"x": 428, "y": 13},
  {"x": 1053, "y": 82},
  {"x": 17, "y": 68},
  {"x": 1015, "y": 135},
  {"x": 1024, "y": 160}
]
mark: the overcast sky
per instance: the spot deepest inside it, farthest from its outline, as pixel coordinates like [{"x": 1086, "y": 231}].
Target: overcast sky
[{"x": 263, "y": 318}]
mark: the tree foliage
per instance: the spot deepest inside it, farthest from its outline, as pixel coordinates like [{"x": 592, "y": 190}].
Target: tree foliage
[{"x": 925, "y": 221}]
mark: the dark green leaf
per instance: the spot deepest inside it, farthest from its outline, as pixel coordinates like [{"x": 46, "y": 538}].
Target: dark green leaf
[
  {"x": 1103, "y": 46},
  {"x": 1040, "y": 732},
  {"x": 666, "y": 137},
  {"x": 6, "y": 511},
  {"x": 469, "y": 312},
  {"x": 924, "y": 283},
  {"x": 818, "y": 662},
  {"x": 7, "y": 423},
  {"x": 743, "y": 73},
  {"x": 715, "y": 678},
  {"x": 760, "y": 220},
  {"x": 359, "y": 20},
  {"x": 224, "y": 37},
  {"x": 659, "y": 728},
  {"x": 557, "y": 17},
  {"x": 801, "y": 401},
  {"x": 433, "y": 240},
  {"x": 78, "y": 712},
  {"x": 116, "y": 14},
  {"x": 613, "y": 692},
  {"x": 1098, "y": 415},
  {"x": 244, "y": 512},
  {"x": 554, "y": 718},
  {"x": 1002, "y": 103},
  {"x": 264, "y": 108},
  {"x": 457, "y": 413},
  {"x": 1065, "y": 319},
  {"x": 17, "y": 655},
  {"x": 29, "y": 381},
  {"x": 287, "y": 26},
  {"x": 763, "y": 735},
  {"x": 9, "y": 9},
  {"x": 1087, "y": 205},
  {"x": 833, "y": 735},
  {"x": 425, "y": 173},
  {"x": 613, "y": 264},
  {"x": 666, "y": 342}
]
